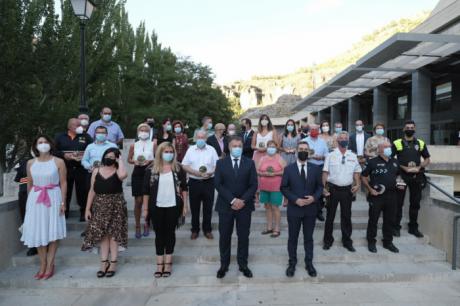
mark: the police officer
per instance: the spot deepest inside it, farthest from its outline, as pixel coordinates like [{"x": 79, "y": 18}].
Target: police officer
[
  {"x": 379, "y": 177},
  {"x": 409, "y": 151}
]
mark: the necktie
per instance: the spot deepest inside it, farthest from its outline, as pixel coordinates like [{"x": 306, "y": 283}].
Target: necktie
[
  {"x": 302, "y": 175},
  {"x": 235, "y": 166}
]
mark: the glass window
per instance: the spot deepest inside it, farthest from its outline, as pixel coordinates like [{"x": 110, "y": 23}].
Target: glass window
[
  {"x": 402, "y": 108},
  {"x": 445, "y": 133},
  {"x": 443, "y": 97}
]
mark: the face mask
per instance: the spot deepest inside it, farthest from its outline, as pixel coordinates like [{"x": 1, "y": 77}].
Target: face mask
[
  {"x": 409, "y": 133},
  {"x": 271, "y": 151},
  {"x": 338, "y": 130},
  {"x": 387, "y": 152},
  {"x": 168, "y": 127},
  {"x": 290, "y": 128},
  {"x": 151, "y": 123},
  {"x": 209, "y": 125},
  {"x": 109, "y": 161},
  {"x": 302, "y": 155},
  {"x": 264, "y": 122},
  {"x": 343, "y": 143},
  {"x": 236, "y": 152},
  {"x": 325, "y": 129},
  {"x": 167, "y": 157},
  {"x": 314, "y": 133},
  {"x": 379, "y": 132},
  {"x": 43, "y": 147},
  {"x": 359, "y": 128},
  {"x": 84, "y": 122},
  {"x": 177, "y": 130},
  {"x": 200, "y": 143},
  {"x": 100, "y": 137},
  {"x": 231, "y": 132},
  {"x": 79, "y": 130},
  {"x": 107, "y": 118},
  {"x": 243, "y": 128},
  {"x": 143, "y": 135}
]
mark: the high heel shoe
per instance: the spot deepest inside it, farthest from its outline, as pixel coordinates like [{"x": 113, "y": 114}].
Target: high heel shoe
[
  {"x": 146, "y": 230},
  {"x": 101, "y": 273},
  {"x": 111, "y": 273},
  {"x": 49, "y": 275},
  {"x": 138, "y": 234},
  {"x": 167, "y": 273},
  {"x": 39, "y": 275},
  {"x": 159, "y": 274}
]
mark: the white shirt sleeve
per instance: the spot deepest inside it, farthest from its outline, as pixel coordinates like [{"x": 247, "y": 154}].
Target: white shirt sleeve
[
  {"x": 186, "y": 161},
  {"x": 326, "y": 163}
]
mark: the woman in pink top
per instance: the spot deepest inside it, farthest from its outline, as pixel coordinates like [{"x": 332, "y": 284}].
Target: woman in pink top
[{"x": 270, "y": 170}]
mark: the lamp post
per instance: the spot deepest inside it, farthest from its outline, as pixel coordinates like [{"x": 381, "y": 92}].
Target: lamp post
[{"x": 83, "y": 10}]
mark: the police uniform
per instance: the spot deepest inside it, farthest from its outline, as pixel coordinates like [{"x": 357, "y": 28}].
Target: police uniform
[
  {"x": 409, "y": 153},
  {"x": 382, "y": 175}
]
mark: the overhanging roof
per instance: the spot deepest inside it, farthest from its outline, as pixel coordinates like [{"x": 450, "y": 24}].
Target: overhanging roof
[{"x": 401, "y": 54}]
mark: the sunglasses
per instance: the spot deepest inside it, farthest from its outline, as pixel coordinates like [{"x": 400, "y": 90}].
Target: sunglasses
[{"x": 343, "y": 160}]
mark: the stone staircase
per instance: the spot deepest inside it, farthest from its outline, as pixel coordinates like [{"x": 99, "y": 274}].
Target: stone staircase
[{"x": 196, "y": 262}]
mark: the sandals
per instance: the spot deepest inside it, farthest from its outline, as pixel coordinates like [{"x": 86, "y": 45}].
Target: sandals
[
  {"x": 138, "y": 234},
  {"x": 159, "y": 274},
  {"x": 146, "y": 230},
  {"x": 275, "y": 234},
  {"x": 101, "y": 273},
  {"x": 167, "y": 273},
  {"x": 110, "y": 273},
  {"x": 266, "y": 232}
]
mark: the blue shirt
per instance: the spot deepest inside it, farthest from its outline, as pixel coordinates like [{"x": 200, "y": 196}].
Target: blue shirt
[
  {"x": 319, "y": 146},
  {"x": 114, "y": 131},
  {"x": 94, "y": 153}
]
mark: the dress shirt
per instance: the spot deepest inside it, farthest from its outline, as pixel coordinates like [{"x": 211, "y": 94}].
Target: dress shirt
[
  {"x": 94, "y": 153},
  {"x": 299, "y": 165},
  {"x": 113, "y": 129},
  {"x": 319, "y": 146},
  {"x": 196, "y": 157},
  {"x": 360, "y": 144},
  {"x": 341, "y": 174}
]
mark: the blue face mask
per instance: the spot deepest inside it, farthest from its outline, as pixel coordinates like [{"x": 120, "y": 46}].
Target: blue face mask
[
  {"x": 167, "y": 157},
  {"x": 387, "y": 152},
  {"x": 106, "y": 118},
  {"x": 271, "y": 151},
  {"x": 236, "y": 152},
  {"x": 290, "y": 128},
  {"x": 209, "y": 125},
  {"x": 200, "y": 143},
  {"x": 379, "y": 132},
  {"x": 101, "y": 137},
  {"x": 168, "y": 127},
  {"x": 177, "y": 130},
  {"x": 338, "y": 130}
]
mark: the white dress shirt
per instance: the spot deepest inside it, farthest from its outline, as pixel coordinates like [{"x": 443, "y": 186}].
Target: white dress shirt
[
  {"x": 166, "y": 196},
  {"x": 196, "y": 157},
  {"x": 360, "y": 144},
  {"x": 299, "y": 166},
  {"x": 341, "y": 174}
]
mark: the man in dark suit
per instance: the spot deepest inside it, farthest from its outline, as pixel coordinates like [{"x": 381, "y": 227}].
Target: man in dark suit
[
  {"x": 246, "y": 134},
  {"x": 302, "y": 186},
  {"x": 358, "y": 141},
  {"x": 236, "y": 181},
  {"x": 218, "y": 141}
]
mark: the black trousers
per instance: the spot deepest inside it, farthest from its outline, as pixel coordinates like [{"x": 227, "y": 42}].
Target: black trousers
[
  {"x": 320, "y": 202},
  {"x": 344, "y": 196},
  {"x": 22, "y": 201},
  {"x": 308, "y": 226},
  {"x": 164, "y": 224},
  {"x": 385, "y": 203},
  {"x": 81, "y": 178},
  {"x": 242, "y": 218},
  {"x": 415, "y": 195},
  {"x": 201, "y": 191}
]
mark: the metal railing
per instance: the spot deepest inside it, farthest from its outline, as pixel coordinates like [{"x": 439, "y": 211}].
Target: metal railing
[{"x": 455, "y": 223}]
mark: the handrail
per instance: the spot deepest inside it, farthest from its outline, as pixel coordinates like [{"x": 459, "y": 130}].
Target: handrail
[{"x": 457, "y": 201}]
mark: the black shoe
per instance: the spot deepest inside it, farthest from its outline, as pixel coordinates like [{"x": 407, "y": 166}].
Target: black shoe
[
  {"x": 372, "y": 248},
  {"x": 246, "y": 272},
  {"x": 349, "y": 247},
  {"x": 416, "y": 233},
  {"x": 83, "y": 234},
  {"x": 290, "y": 271},
  {"x": 221, "y": 272},
  {"x": 82, "y": 218},
  {"x": 311, "y": 270},
  {"x": 397, "y": 232},
  {"x": 320, "y": 217},
  {"x": 391, "y": 247},
  {"x": 327, "y": 246},
  {"x": 32, "y": 252}
]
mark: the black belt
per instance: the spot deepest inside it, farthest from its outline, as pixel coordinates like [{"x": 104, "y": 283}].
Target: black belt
[
  {"x": 203, "y": 180},
  {"x": 348, "y": 187}
]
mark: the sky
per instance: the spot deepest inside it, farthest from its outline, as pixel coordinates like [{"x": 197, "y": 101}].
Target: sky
[{"x": 242, "y": 38}]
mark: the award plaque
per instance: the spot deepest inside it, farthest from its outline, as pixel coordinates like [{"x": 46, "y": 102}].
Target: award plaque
[
  {"x": 261, "y": 144},
  {"x": 270, "y": 170},
  {"x": 411, "y": 164},
  {"x": 203, "y": 169},
  {"x": 141, "y": 159},
  {"x": 96, "y": 164}
]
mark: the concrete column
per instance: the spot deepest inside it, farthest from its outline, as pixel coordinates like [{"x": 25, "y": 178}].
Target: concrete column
[
  {"x": 421, "y": 104},
  {"x": 335, "y": 116},
  {"x": 320, "y": 117},
  {"x": 380, "y": 106},
  {"x": 353, "y": 113}
]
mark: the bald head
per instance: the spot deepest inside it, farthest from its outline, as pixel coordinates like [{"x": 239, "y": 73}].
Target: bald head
[{"x": 72, "y": 124}]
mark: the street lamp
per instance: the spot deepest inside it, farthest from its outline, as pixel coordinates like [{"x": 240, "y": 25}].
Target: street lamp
[{"x": 82, "y": 10}]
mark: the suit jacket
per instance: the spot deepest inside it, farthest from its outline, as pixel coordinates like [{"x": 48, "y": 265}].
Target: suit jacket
[
  {"x": 352, "y": 145},
  {"x": 247, "y": 149},
  {"x": 293, "y": 189},
  {"x": 229, "y": 186},
  {"x": 212, "y": 141}
]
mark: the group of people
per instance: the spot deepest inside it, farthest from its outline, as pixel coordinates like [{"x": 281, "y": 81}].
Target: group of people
[{"x": 302, "y": 168}]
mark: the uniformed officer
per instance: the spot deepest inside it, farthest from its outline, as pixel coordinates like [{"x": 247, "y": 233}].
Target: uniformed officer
[
  {"x": 379, "y": 177},
  {"x": 342, "y": 174},
  {"x": 409, "y": 151}
]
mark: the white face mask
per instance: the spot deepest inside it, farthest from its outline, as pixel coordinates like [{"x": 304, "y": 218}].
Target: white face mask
[
  {"x": 43, "y": 147},
  {"x": 231, "y": 132},
  {"x": 264, "y": 122},
  {"x": 79, "y": 130},
  {"x": 143, "y": 135},
  {"x": 84, "y": 122},
  {"x": 325, "y": 129}
]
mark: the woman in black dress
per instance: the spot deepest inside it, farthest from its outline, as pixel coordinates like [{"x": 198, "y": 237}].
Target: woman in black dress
[{"x": 165, "y": 134}]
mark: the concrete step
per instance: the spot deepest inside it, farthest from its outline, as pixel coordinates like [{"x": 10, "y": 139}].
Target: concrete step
[
  {"x": 257, "y": 254},
  {"x": 135, "y": 275},
  {"x": 183, "y": 238}
]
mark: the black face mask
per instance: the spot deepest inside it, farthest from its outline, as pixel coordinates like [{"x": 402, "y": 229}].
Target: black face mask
[
  {"x": 409, "y": 133},
  {"x": 243, "y": 128},
  {"x": 109, "y": 161},
  {"x": 151, "y": 123},
  {"x": 302, "y": 155}
]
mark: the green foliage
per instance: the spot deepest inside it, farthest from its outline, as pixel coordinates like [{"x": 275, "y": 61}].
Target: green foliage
[{"x": 127, "y": 69}]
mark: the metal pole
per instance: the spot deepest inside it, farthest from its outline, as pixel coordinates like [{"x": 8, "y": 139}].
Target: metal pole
[
  {"x": 454, "y": 243},
  {"x": 83, "y": 106}
]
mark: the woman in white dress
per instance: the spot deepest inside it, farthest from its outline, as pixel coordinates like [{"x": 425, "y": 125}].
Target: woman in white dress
[{"x": 44, "y": 222}]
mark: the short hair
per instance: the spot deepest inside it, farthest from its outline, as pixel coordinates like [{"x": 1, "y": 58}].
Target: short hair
[
  {"x": 219, "y": 126},
  {"x": 102, "y": 109},
  {"x": 409, "y": 122},
  {"x": 48, "y": 139},
  {"x": 205, "y": 118},
  {"x": 101, "y": 127},
  {"x": 343, "y": 133},
  {"x": 235, "y": 138},
  {"x": 338, "y": 122},
  {"x": 379, "y": 124},
  {"x": 302, "y": 143},
  {"x": 272, "y": 142},
  {"x": 247, "y": 121},
  {"x": 148, "y": 117},
  {"x": 143, "y": 125}
]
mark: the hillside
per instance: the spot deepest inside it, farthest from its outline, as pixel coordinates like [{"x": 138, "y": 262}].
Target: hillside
[{"x": 262, "y": 91}]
